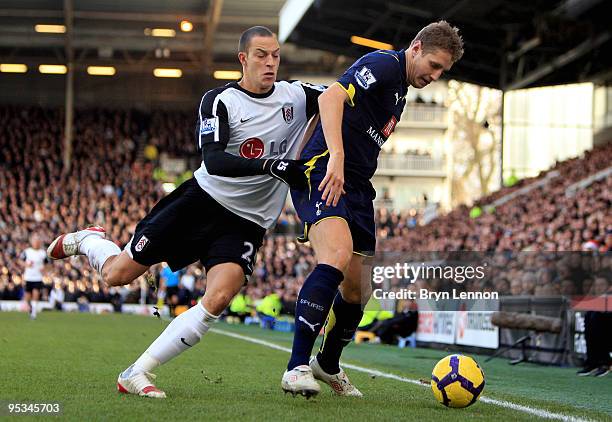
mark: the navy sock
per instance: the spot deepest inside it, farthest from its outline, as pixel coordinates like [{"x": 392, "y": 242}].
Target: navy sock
[
  {"x": 313, "y": 305},
  {"x": 340, "y": 328}
]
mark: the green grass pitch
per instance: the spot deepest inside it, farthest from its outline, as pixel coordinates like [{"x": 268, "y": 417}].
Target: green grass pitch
[{"x": 74, "y": 359}]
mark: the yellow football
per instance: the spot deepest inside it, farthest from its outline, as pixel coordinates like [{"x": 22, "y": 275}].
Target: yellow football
[{"x": 457, "y": 381}]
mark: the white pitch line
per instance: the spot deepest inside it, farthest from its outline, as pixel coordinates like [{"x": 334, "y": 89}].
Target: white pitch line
[{"x": 502, "y": 403}]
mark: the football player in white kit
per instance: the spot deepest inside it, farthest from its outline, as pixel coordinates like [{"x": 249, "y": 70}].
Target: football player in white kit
[
  {"x": 35, "y": 259},
  {"x": 249, "y": 130}
]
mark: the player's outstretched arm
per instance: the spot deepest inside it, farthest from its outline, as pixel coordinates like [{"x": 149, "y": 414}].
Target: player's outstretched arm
[
  {"x": 218, "y": 162},
  {"x": 331, "y": 107}
]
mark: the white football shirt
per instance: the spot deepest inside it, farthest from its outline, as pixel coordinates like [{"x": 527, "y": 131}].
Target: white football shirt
[
  {"x": 249, "y": 125},
  {"x": 37, "y": 257}
]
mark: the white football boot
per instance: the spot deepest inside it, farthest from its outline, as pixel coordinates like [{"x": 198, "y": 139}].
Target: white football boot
[
  {"x": 300, "y": 381},
  {"x": 140, "y": 383},
  {"x": 68, "y": 244},
  {"x": 338, "y": 382}
]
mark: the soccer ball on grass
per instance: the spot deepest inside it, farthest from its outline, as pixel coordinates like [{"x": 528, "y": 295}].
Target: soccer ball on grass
[{"x": 457, "y": 381}]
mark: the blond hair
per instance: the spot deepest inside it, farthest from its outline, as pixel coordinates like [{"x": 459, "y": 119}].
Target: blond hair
[{"x": 441, "y": 36}]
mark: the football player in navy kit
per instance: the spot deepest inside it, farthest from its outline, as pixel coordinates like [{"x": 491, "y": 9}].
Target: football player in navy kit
[
  {"x": 249, "y": 131},
  {"x": 358, "y": 113}
]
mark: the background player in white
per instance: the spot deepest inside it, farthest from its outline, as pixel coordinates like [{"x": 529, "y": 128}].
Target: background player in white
[
  {"x": 35, "y": 259},
  {"x": 248, "y": 132}
]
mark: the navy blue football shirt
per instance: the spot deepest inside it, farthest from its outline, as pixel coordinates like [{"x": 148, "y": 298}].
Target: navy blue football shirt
[{"x": 376, "y": 87}]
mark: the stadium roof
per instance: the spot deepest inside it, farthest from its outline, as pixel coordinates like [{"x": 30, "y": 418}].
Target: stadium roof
[
  {"x": 542, "y": 41},
  {"x": 509, "y": 44},
  {"x": 120, "y": 33}
]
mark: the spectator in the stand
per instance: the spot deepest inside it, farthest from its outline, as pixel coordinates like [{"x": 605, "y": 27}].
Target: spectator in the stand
[
  {"x": 83, "y": 303},
  {"x": 57, "y": 296},
  {"x": 198, "y": 292},
  {"x": 607, "y": 243},
  {"x": 269, "y": 308},
  {"x": 188, "y": 279},
  {"x": 241, "y": 306},
  {"x": 501, "y": 286},
  {"x": 373, "y": 316},
  {"x": 169, "y": 283},
  {"x": 597, "y": 332},
  {"x": 546, "y": 290},
  {"x": 150, "y": 152},
  {"x": 403, "y": 323},
  {"x": 70, "y": 291},
  {"x": 528, "y": 284},
  {"x": 97, "y": 295},
  {"x": 302, "y": 268},
  {"x": 516, "y": 287},
  {"x": 116, "y": 301},
  {"x": 183, "y": 295},
  {"x": 567, "y": 288},
  {"x": 11, "y": 292},
  {"x": 288, "y": 300},
  {"x": 511, "y": 180}
]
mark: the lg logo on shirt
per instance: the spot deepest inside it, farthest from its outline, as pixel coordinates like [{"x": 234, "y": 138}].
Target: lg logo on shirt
[
  {"x": 255, "y": 148},
  {"x": 252, "y": 148}
]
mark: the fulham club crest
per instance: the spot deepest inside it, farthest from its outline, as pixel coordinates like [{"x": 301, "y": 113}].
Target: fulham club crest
[{"x": 287, "y": 111}]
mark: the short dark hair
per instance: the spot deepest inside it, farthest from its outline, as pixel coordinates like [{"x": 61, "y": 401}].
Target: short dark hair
[
  {"x": 247, "y": 36},
  {"x": 441, "y": 36}
]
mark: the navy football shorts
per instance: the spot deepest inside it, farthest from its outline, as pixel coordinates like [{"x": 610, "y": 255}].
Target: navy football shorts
[
  {"x": 189, "y": 225},
  {"x": 356, "y": 207}
]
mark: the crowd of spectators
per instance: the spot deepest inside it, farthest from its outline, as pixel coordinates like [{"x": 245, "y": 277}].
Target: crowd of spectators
[
  {"x": 544, "y": 219},
  {"x": 111, "y": 185},
  {"x": 173, "y": 133},
  {"x": 105, "y": 185}
]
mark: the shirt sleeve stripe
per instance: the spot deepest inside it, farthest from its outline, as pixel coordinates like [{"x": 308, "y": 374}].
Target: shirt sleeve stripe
[
  {"x": 200, "y": 114},
  {"x": 214, "y": 110},
  {"x": 350, "y": 91}
]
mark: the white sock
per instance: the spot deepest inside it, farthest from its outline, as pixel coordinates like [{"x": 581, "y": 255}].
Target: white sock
[
  {"x": 98, "y": 250},
  {"x": 182, "y": 333},
  {"x": 34, "y": 305}
]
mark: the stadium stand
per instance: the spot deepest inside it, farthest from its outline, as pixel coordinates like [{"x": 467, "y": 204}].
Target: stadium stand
[{"x": 543, "y": 218}]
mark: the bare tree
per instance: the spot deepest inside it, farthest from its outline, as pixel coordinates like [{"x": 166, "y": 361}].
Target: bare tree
[{"x": 474, "y": 133}]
